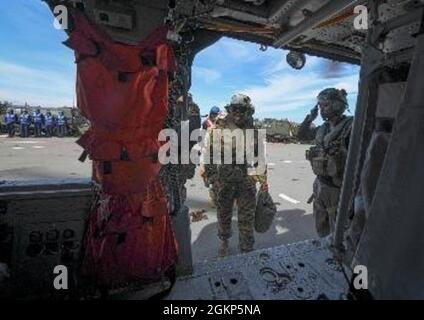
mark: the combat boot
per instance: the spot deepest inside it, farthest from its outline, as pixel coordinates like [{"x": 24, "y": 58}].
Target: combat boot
[{"x": 223, "y": 248}]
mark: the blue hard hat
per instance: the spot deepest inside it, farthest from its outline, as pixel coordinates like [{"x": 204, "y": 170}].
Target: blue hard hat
[{"x": 215, "y": 110}]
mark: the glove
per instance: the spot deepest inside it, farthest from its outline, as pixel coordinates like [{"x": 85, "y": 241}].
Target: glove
[
  {"x": 263, "y": 181},
  {"x": 314, "y": 113},
  {"x": 264, "y": 186}
]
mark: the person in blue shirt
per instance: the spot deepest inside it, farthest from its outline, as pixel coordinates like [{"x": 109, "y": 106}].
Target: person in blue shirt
[
  {"x": 10, "y": 120},
  {"x": 25, "y": 121},
  {"x": 210, "y": 120},
  {"x": 62, "y": 124},
  {"x": 38, "y": 119},
  {"x": 49, "y": 124}
]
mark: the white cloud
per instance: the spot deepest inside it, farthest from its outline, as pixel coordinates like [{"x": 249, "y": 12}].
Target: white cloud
[
  {"x": 349, "y": 83},
  {"x": 288, "y": 91},
  {"x": 235, "y": 49},
  {"x": 227, "y": 52},
  {"x": 35, "y": 86},
  {"x": 206, "y": 74},
  {"x": 17, "y": 97},
  {"x": 276, "y": 89},
  {"x": 282, "y": 65}
]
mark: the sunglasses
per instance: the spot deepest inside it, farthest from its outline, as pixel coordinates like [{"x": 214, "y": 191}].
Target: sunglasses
[
  {"x": 324, "y": 103},
  {"x": 238, "y": 109}
]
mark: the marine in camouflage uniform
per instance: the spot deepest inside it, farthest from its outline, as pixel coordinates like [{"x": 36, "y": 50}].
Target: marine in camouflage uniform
[
  {"x": 328, "y": 156},
  {"x": 231, "y": 182}
]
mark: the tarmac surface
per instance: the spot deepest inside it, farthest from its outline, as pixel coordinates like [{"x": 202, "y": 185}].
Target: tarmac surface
[
  {"x": 33, "y": 159},
  {"x": 290, "y": 184}
]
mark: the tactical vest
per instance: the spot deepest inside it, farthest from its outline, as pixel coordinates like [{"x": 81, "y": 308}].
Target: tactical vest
[
  {"x": 234, "y": 172},
  {"x": 328, "y": 156}
]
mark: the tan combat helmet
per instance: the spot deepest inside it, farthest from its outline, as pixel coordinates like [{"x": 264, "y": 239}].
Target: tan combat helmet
[
  {"x": 241, "y": 100},
  {"x": 337, "y": 99}
]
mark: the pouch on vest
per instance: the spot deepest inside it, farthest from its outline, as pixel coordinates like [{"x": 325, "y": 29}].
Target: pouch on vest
[
  {"x": 319, "y": 166},
  {"x": 335, "y": 165}
]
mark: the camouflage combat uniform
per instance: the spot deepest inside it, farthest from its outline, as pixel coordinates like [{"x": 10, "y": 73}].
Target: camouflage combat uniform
[
  {"x": 232, "y": 184},
  {"x": 327, "y": 158}
]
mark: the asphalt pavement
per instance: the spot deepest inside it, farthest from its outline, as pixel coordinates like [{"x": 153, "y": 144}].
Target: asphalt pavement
[{"x": 290, "y": 184}]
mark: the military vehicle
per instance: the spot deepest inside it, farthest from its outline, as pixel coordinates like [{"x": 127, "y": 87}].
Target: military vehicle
[
  {"x": 384, "y": 37},
  {"x": 278, "y": 131}
]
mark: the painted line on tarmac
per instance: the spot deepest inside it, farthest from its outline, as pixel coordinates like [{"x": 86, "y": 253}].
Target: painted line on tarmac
[
  {"x": 287, "y": 198},
  {"x": 25, "y": 142},
  {"x": 38, "y": 147},
  {"x": 18, "y": 148},
  {"x": 280, "y": 229},
  {"x": 288, "y": 161}
]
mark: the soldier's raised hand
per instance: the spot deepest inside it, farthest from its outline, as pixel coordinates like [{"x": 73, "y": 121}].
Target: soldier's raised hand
[{"x": 314, "y": 113}]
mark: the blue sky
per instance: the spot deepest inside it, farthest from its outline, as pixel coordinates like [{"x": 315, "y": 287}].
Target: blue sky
[
  {"x": 34, "y": 64},
  {"x": 277, "y": 90},
  {"x": 35, "y": 67}
]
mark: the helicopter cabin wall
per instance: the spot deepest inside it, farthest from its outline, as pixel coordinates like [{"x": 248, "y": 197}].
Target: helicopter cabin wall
[
  {"x": 385, "y": 211},
  {"x": 391, "y": 242},
  {"x": 382, "y": 63}
]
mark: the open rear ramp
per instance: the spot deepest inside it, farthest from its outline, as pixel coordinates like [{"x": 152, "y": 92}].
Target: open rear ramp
[{"x": 300, "y": 271}]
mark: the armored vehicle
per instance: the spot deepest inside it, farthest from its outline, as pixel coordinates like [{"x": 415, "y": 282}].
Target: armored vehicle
[{"x": 278, "y": 131}]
